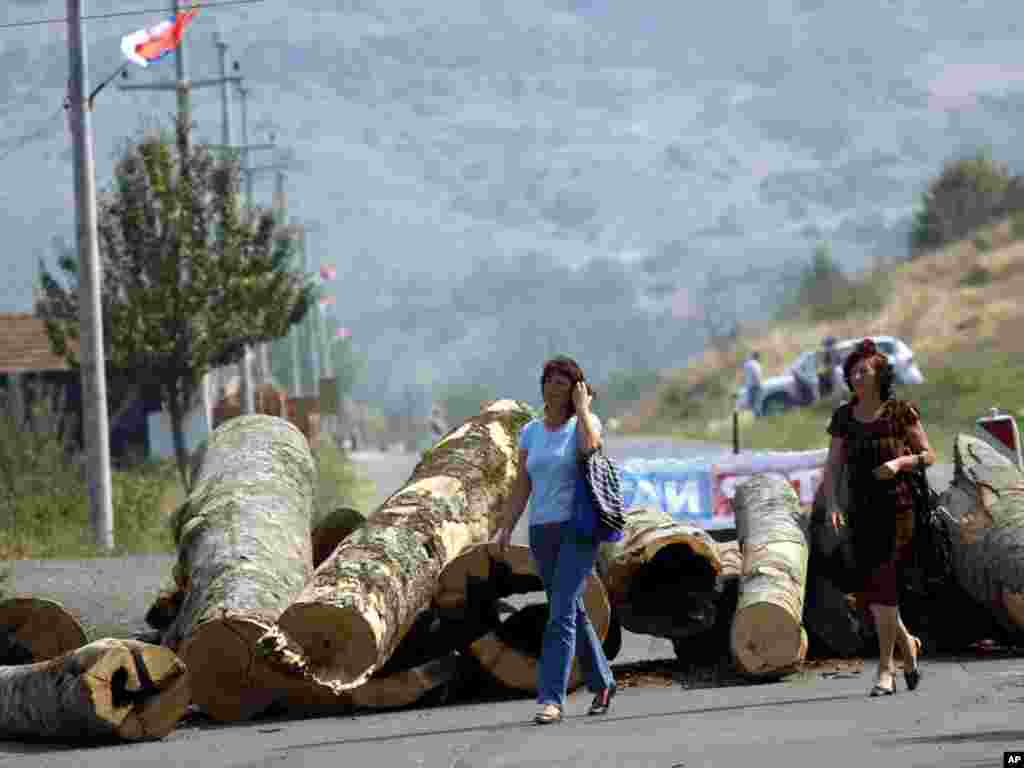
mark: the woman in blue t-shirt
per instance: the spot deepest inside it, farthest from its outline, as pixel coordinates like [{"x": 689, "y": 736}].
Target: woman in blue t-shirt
[{"x": 549, "y": 449}]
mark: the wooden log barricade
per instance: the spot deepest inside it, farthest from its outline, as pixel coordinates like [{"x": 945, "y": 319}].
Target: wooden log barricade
[
  {"x": 244, "y": 553},
  {"x": 767, "y": 637},
  {"x": 985, "y": 505},
  {"x": 508, "y": 650},
  {"x": 33, "y": 629},
  {"x": 106, "y": 690},
  {"x": 364, "y": 599},
  {"x": 661, "y": 576}
]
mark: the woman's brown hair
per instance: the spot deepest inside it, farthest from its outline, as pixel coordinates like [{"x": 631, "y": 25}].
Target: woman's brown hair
[
  {"x": 867, "y": 350},
  {"x": 571, "y": 370}
]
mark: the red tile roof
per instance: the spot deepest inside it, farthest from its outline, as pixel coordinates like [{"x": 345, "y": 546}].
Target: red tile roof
[{"x": 24, "y": 345}]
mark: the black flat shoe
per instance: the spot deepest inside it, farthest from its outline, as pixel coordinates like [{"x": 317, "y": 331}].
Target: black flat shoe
[
  {"x": 913, "y": 674},
  {"x": 913, "y": 677},
  {"x": 881, "y": 690},
  {"x": 602, "y": 701}
]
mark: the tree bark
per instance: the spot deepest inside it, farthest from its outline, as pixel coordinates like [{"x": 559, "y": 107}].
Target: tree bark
[
  {"x": 244, "y": 552},
  {"x": 986, "y": 506},
  {"x": 333, "y": 529},
  {"x": 364, "y": 598},
  {"x": 109, "y": 689},
  {"x": 32, "y": 630},
  {"x": 767, "y": 636},
  {"x": 661, "y": 576},
  {"x": 468, "y": 595}
]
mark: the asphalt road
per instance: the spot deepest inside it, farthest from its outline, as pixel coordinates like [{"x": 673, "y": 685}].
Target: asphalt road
[{"x": 965, "y": 714}]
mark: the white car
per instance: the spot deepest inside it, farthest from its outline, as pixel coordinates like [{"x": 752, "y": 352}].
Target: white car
[{"x": 798, "y": 386}]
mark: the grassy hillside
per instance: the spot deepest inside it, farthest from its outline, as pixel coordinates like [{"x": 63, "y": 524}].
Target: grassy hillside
[{"x": 957, "y": 308}]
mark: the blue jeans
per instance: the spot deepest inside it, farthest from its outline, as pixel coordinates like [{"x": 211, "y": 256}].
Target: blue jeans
[{"x": 564, "y": 560}]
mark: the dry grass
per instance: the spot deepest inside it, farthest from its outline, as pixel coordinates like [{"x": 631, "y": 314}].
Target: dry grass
[{"x": 954, "y": 301}]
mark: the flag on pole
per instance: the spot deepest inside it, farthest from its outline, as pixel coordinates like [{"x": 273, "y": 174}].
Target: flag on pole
[
  {"x": 342, "y": 333},
  {"x": 153, "y": 43},
  {"x": 328, "y": 272},
  {"x": 326, "y": 301}
]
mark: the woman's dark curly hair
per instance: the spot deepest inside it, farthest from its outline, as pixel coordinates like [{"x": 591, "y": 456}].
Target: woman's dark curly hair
[
  {"x": 866, "y": 350},
  {"x": 571, "y": 370}
]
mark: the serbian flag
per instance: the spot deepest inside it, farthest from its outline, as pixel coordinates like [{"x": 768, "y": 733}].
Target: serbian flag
[
  {"x": 153, "y": 43},
  {"x": 326, "y": 301},
  {"x": 342, "y": 333},
  {"x": 328, "y": 272}
]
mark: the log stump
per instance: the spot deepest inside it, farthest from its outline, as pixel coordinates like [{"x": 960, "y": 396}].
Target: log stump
[
  {"x": 364, "y": 598},
  {"x": 33, "y": 629},
  {"x": 244, "y": 552},
  {"x": 508, "y": 650},
  {"x": 661, "y": 576},
  {"x": 985, "y": 503},
  {"x": 767, "y": 637},
  {"x": 107, "y": 690}
]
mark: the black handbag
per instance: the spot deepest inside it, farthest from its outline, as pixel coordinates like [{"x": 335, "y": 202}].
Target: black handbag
[
  {"x": 604, "y": 485},
  {"x": 931, "y": 550}
]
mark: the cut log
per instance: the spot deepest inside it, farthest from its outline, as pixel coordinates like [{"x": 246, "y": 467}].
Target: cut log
[
  {"x": 32, "y": 630},
  {"x": 712, "y": 645},
  {"x": 244, "y": 552},
  {"x": 767, "y": 636},
  {"x": 107, "y": 690},
  {"x": 508, "y": 650},
  {"x": 363, "y": 599},
  {"x": 985, "y": 503},
  {"x": 333, "y": 529},
  {"x": 661, "y": 576}
]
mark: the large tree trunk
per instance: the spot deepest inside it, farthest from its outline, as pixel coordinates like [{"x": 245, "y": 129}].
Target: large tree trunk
[
  {"x": 661, "y": 575},
  {"x": 364, "y": 598},
  {"x": 244, "y": 552},
  {"x": 986, "y": 506},
  {"x": 767, "y": 636},
  {"x": 32, "y": 630},
  {"x": 109, "y": 689},
  {"x": 508, "y": 650}
]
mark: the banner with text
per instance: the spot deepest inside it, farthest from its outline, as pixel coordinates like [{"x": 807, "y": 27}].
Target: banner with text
[{"x": 700, "y": 491}]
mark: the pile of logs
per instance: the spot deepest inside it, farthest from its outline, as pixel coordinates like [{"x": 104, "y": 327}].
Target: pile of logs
[{"x": 273, "y": 611}]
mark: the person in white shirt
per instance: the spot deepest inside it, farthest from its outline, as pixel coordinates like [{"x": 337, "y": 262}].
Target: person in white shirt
[{"x": 752, "y": 378}]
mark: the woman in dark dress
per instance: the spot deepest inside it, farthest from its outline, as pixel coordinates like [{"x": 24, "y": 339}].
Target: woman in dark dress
[{"x": 880, "y": 440}]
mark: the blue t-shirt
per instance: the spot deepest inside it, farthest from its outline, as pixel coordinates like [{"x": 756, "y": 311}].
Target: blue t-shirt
[{"x": 551, "y": 462}]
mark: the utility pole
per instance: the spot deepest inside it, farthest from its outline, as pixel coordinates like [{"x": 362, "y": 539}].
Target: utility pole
[
  {"x": 246, "y": 148},
  {"x": 280, "y": 206},
  {"x": 93, "y": 371},
  {"x": 183, "y": 87}
]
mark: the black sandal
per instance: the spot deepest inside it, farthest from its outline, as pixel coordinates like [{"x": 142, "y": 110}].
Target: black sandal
[{"x": 602, "y": 701}]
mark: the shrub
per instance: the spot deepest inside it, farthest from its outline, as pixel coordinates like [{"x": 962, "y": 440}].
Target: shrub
[{"x": 976, "y": 277}]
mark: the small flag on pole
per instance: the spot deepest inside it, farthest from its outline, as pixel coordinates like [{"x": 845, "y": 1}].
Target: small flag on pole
[
  {"x": 153, "y": 43},
  {"x": 326, "y": 301},
  {"x": 342, "y": 333},
  {"x": 328, "y": 272}
]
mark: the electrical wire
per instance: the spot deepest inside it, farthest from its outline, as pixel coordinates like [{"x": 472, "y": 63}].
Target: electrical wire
[
  {"x": 116, "y": 14},
  {"x": 42, "y": 132}
]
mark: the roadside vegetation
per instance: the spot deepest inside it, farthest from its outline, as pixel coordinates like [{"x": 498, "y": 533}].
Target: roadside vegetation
[
  {"x": 44, "y": 507},
  {"x": 954, "y": 300}
]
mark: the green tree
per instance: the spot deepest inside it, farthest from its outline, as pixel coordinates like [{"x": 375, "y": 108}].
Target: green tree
[
  {"x": 968, "y": 194},
  {"x": 189, "y": 279}
]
